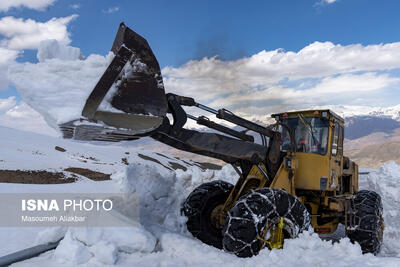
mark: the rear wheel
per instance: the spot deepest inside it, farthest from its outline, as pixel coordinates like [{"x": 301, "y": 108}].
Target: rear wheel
[
  {"x": 368, "y": 220},
  {"x": 202, "y": 208},
  {"x": 254, "y": 220}
]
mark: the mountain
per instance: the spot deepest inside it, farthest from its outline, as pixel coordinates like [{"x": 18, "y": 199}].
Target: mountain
[
  {"x": 347, "y": 111},
  {"x": 360, "y": 126},
  {"x": 374, "y": 155}
]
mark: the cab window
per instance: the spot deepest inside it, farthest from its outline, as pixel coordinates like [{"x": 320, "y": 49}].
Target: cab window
[
  {"x": 337, "y": 140},
  {"x": 311, "y": 134}
]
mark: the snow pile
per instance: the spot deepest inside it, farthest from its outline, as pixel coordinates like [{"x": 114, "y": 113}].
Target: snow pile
[
  {"x": 160, "y": 197},
  {"x": 386, "y": 182},
  {"x": 93, "y": 245},
  {"x": 161, "y": 235},
  {"x": 162, "y": 192},
  {"x": 59, "y": 84}
]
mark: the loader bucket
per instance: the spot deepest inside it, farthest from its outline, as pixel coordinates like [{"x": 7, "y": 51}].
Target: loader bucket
[{"x": 129, "y": 99}]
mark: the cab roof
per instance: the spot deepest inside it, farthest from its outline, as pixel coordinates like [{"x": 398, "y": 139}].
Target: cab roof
[{"x": 310, "y": 113}]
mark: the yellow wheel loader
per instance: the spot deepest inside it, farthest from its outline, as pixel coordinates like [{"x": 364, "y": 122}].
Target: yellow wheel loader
[{"x": 292, "y": 177}]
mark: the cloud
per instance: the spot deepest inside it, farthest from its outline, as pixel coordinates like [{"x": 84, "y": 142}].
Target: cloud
[
  {"x": 75, "y": 6},
  {"x": 277, "y": 78},
  {"x": 6, "y": 5},
  {"x": 7, "y": 103},
  {"x": 50, "y": 49},
  {"x": 276, "y": 98},
  {"x": 343, "y": 84},
  {"x": 23, "y": 117},
  {"x": 269, "y": 81},
  {"x": 7, "y": 57},
  {"x": 326, "y": 2},
  {"x": 27, "y": 34},
  {"x": 111, "y": 10}
]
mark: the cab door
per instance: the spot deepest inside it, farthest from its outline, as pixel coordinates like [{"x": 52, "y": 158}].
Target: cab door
[{"x": 336, "y": 161}]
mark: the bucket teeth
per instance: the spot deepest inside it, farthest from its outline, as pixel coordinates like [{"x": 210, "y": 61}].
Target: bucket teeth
[{"x": 95, "y": 133}]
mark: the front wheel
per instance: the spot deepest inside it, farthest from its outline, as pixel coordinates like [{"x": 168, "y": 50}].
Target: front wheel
[
  {"x": 202, "y": 207},
  {"x": 257, "y": 216}
]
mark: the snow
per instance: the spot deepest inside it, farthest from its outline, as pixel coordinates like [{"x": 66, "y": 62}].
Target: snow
[
  {"x": 386, "y": 182},
  {"x": 158, "y": 236},
  {"x": 59, "y": 84},
  {"x": 29, "y": 151},
  {"x": 55, "y": 87},
  {"x": 346, "y": 111},
  {"x": 161, "y": 192},
  {"x": 103, "y": 245}
]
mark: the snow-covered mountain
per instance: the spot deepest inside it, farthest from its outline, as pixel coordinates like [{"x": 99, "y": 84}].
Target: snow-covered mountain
[
  {"x": 346, "y": 111},
  {"x": 360, "y": 126}
]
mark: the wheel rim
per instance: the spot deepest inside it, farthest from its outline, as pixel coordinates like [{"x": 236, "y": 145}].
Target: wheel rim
[
  {"x": 217, "y": 218},
  {"x": 275, "y": 232}
]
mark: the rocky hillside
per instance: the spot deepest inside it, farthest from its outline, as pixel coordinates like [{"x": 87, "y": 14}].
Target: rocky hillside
[{"x": 373, "y": 156}]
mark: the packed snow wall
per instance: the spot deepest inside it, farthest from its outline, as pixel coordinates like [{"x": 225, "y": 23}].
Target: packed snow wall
[{"x": 161, "y": 236}]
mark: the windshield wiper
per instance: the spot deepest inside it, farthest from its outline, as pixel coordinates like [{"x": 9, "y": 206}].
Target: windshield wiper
[{"x": 308, "y": 126}]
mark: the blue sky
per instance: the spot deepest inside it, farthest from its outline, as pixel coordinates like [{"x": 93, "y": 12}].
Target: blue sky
[
  {"x": 186, "y": 35},
  {"x": 182, "y": 30}
]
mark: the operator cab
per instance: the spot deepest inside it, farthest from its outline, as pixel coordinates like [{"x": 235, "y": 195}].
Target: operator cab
[{"x": 310, "y": 130}]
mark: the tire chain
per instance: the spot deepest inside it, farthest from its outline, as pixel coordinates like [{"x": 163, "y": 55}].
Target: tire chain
[
  {"x": 367, "y": 214},
  {"x": 259, "y": 208}
]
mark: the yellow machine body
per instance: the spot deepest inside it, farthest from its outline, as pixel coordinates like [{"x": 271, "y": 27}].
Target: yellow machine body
[{"x": 324, "y": 182}]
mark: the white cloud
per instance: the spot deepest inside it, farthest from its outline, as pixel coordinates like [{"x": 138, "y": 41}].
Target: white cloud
[
  {"x": 5, "y": 5},
  {"x": 332, "y": 68},
  {"x": 75, "y": 6},
  {"x": 27, "y": 34},
  {"x": 326, "y": 2},
  {"x": 111, "y": 10},
  {"x": 23, "y": 117},
  {"x": 269, "y": 81},
  {"x": 49, "y": 49},
  {"x": 350, "y": 83},
  {"x": 7, "y": 103},
  {"x": 7, "y": 57},
  {"x": 345, "y": 88}
]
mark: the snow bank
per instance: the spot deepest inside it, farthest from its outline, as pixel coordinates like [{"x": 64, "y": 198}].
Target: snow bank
[
  {"x": 307, "y": 250},
  {"x": 102, "y": 245},
  {"x": 160, "y": 193},
  {"x": 161, "y": 236},
  {"x": 160, "y": 196},
  {"x": 58, "y": 85},
  {"x": 386, "y": 182}
]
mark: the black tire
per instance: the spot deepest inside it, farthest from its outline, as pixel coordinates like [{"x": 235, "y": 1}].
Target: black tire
[
  {"x": 253, "y": 212},
  {"x": 198, "y": 208},
  {"x": 368, "y": 219}
]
